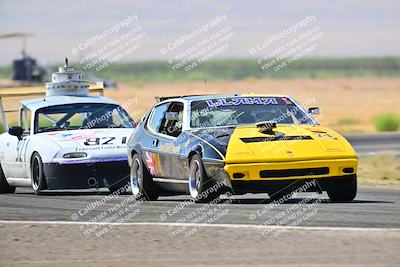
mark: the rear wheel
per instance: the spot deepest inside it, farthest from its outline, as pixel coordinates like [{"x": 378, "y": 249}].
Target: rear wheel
[
  {"x": 142, "y": 184},
  {"x": 4, "y": 186},
  {"x": 37, "y": 174},
  {"x": 200, "y": 185},
  {"x": 343, "y": 192}
]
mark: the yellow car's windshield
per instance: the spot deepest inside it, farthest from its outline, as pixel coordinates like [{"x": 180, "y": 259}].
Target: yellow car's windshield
[{"x": 246, "y": 110}]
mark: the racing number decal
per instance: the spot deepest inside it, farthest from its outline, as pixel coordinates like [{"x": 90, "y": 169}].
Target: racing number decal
[
  {"x": 103, "y": 141},
  {"x": 109, "y": 141}
]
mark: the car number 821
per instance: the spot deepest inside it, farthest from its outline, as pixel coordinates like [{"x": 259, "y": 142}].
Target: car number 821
[{"x": 96, "y": 141}]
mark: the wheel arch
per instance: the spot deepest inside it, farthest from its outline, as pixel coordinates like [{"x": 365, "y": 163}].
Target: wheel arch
[
  {"x": 31, "y": 156},
  {"x": 133, "y": 151},
  {"x": 198, "y": 150}
]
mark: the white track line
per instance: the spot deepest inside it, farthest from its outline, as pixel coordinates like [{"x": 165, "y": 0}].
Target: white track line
[{"x": 249, "y": 226}]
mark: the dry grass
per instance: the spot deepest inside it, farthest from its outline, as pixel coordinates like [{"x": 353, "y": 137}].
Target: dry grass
[{"x": 380, "y": 169}]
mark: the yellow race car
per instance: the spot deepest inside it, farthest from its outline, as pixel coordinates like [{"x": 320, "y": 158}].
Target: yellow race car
[{"x": 208, "y": 144}]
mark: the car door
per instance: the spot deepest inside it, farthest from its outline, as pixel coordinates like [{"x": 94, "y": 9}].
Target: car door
[
  {"x": 9, "y": 155},
  {"x": 162, "y": 154},
  {"x": 15, "y": 161},
  {"x": 150, "y": 142},
  {"x": 17, "y": 164}
]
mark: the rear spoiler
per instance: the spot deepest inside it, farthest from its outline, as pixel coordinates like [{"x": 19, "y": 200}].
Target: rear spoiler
[
  {"x": 162, "y": 98},
  {"x": 33, "y": 91},
  {"x": 41, "y": 90}
]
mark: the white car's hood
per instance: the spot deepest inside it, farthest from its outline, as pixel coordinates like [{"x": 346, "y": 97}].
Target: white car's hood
[{"x": 98, "y": 144}]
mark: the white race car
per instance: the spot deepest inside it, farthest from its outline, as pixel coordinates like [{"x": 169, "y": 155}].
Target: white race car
[{"x": 66, "y": 140}]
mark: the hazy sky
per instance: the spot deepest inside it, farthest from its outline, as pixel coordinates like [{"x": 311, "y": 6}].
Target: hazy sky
[{"x": 351, "y": 28}]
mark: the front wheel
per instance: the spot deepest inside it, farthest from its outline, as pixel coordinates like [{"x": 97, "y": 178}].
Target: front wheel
[
  {"x": 200, "y": 185},
  {"x": 37, "y": 174},
  {"x": 344, "y": 191},
  {"x": 142, "y": 184}
]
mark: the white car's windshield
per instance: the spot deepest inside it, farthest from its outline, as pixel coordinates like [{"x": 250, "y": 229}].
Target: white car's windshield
[
  {"x": 82, "y": 116},
  {"x": 246, "y": 110}
]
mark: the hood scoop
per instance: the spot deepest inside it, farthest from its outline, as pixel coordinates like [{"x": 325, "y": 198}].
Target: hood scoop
[{"x": 266, "y": 127}]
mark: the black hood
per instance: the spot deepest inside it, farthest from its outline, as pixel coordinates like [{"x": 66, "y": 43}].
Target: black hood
[{"x": 218, "y": 137}]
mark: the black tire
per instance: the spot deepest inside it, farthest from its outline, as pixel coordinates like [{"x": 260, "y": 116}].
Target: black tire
[
  {"x": 4, "y": 186},
  {"x": 142, "y": 184},
  {"x": 37, "y": 174},
  {"x": 343, "y": 192},
  {"x": 200, "y": 185}
]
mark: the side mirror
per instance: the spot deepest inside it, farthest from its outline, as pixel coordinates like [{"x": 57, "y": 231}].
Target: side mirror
[
  {"x": 16, "y": 131},
  {"x": 172, "y": 116},
  {"x": 314, "y": 110}
]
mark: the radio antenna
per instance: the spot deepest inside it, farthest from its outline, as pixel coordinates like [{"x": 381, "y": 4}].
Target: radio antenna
[{"x": 205, "y": 80}]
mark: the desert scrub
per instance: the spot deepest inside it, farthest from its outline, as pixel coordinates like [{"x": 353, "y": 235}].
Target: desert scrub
[{"x": 387, "y": 122}]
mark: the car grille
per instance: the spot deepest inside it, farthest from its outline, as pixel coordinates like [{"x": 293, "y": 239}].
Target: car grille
[{"x": 294, "y": 172}]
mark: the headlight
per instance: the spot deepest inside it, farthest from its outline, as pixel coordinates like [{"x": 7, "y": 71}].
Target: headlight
[{"x": 75, "y": 155}]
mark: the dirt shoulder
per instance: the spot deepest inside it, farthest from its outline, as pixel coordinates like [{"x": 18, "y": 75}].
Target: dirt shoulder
[{"x": 379, "y": 169}]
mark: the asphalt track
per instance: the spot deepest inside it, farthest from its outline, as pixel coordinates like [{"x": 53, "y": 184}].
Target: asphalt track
[
  {"x": 243, "y": 231},
  {"x": 374, "y": 143},
  {"x": 373, "y": 208}
]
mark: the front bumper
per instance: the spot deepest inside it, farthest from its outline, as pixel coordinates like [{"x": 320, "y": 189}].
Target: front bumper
[
  {"x": 285, "y": 176},
  {"x": 290, "y": 185},
  {"x": 291, "y": 170},
  {"x": 86, "y": 175}
]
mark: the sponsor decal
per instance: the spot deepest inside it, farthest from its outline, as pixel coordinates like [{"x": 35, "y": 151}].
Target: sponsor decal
[
  {"x": 72, "y": 136},
  {"x": 213, "y": 103},
  {"x": 169, "y": 148},
  {"x": 100, "y": 148},
  {"x": 325, "y": 135},
  {"x": 286, "y": 100},
  {"x": 151, "y": 162},
  {"x": 82, "y": 136},
  {"x": 186, "y": 144},
  {"x": 53, "y": 133}
]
